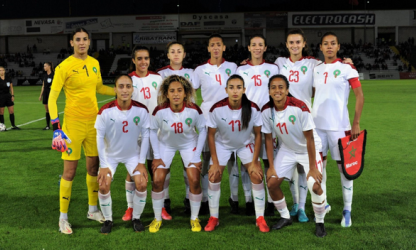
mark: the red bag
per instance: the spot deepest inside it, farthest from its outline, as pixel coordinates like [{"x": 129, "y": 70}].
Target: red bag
[{"x": 352, "y": 155}]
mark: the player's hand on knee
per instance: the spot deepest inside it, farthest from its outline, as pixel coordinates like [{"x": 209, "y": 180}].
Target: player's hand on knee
[
  {"x": 271, "y": 173},
  {"x": 197, "y": 165},
  {"x": 214, "y": 172},
  {"x": 314, "y": 173},
  {"x": 254, "y": 170},
  {"x": 142, "y": 173},
  {"x": 103, "y": 175},
  {"x": 156, "y": 163}
]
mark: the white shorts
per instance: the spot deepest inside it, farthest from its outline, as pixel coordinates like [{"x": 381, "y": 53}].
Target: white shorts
[
  {"x": 130, "y": 163},
  {"x": 286, "y": 162},
  {"x": 330, "y": 142},
  {"x": 167, "y": 154},
  {"x": 223, "y": 154}
]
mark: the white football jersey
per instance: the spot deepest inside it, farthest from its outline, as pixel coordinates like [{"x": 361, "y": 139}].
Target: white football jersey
[
  {"x": 256, "y": 80},
  {"x": 300, "y": 76},
  {"x": 168, "y": 71},
  {"x": 212, "y": 80},
  {"x": 145, "y": 89},
  {"x": 229, "y": 124},
  {"x": 332, "y": 89},
  {"x": 121, "y": 130},
  {"x": 289, "y": 125},
  {"x": 177, "y": 129}
]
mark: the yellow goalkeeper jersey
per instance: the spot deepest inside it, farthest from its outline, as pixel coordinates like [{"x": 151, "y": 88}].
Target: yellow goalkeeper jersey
[{"x": 81, "y": 80}]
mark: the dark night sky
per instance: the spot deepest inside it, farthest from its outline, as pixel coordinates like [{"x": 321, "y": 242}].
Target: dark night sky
[{"x": 12, "y": 9}]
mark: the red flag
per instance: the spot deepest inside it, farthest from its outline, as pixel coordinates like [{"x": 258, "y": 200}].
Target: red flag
[{"x": 352, "y": 155}]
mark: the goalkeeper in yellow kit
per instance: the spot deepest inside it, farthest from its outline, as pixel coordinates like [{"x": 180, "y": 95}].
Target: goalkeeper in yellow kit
[{"x": 79, "y": 75}]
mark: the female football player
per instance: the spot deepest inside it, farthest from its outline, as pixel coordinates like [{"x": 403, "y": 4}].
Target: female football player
[
  {"x": 333, "y": 80},
  {"x": 119, "y": 125},
  {"x": 256, "y": 73},
  {"x": 290, "y": 120},
  {"x": 176, "y": 119},
  {"x": 46, "y": 89},
  {"x": 232, "y": 122},
  {"x": 146, "y": 85},
  {"x": 176, "y": 54},
  {"x": 80, "y": 77},
  {"x": 6, "y": 97}
]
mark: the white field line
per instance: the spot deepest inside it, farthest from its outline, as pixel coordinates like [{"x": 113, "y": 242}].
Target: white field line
[{"x": 43, "y": 118}]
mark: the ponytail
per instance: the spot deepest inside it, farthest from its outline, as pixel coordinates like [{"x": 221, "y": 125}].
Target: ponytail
[{"x": 245, "y": 111}]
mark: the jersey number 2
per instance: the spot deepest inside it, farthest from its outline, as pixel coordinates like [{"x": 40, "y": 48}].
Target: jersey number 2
[{"x": 125, "y": 124}]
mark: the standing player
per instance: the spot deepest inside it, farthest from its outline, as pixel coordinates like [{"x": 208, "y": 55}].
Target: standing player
[
  {"x": 290, "y": 120},
  {"x": 176, "y": 53},
  {"x": 332, "y": 81},
  {"x": 212, "y": 77},
  {"x": 232, "y": 122},
  {"x": 46, "y": 89},
  {"x": 256, "y": 73},
  {"x": 146, "y": 85},
  {"x": 176, "y": 119},
  {"x": 80, "y": 77},
  {"x": 119, "y": 125},
  {"x": 298, "y": 69},
  {"x": 6, "y": 97}
]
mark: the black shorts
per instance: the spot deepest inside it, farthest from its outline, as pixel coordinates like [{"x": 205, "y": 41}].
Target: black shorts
[
  {"x": 45, "y": 96},
  {"x": 6, "y": 101}
]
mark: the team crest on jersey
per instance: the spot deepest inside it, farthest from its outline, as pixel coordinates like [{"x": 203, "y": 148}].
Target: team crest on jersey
[
  {"x": 303, "y": 69},
  {"x": 136, "y": 120},
  {"x": 94, "y": 69},
  {"x": 49, "y": 80},
  {"x": 337, "y": 72},
  {"x": 8, "y": 84},
  {"x": 267, "y": 73},
  {"x": 154, "y": 84},
  {"x": 228, "y": 71},
  {"x": 187, "y": 76},
  {"x": 69, "y": 151},
  {"x": 188, "y": 121},
  {"x": 292, "y": 119}
]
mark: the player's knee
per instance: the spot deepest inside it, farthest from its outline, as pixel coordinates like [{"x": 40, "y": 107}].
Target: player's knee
[
  {"x": 194, "y": 183},
  {"x": 141, "y": 187},
  {"x": 104, "y": 188},
  {"x": 158, "y": 183},
  {"x": 255, "y": 179},
  {"x": 272, "y": 183},
  {"x": 317, "y": 194}
]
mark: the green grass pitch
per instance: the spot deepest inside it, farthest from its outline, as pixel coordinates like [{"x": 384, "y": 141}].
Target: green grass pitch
[{"x": 383, "y": 214}]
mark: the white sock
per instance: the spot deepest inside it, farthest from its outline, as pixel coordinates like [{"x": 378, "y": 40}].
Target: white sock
[
  {"x": 195, "y": 202},
  {"x": 106, "y": 205},
  {"x": 185, "y": 178},
  {"x": 269, "y": 198},
  {"x": 233, "y": 179},
  {"x": 130, "y": 186},
  {"x": 303, "y": 190},
  {"x": 157, "y": 200},
  {"x": 319, "y": 212},
  {"x": 245, "y": 179},
  {"x": 63, "y": 216},
  {"x": 259, "y": 195},
  {"x": 281, "y": 206},
  {"x": 324, "y": 178},
  {"x": 294, "y": 188},
  {"x": 166, "y": 186},
  {"x": 347, "y": 190},
  {"x": 214, "y": 192},
  {"x": 139, "y": 202},
  {"x": 92, "y": 209}
]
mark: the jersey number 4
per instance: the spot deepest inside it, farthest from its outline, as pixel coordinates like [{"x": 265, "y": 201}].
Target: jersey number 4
[
  {"x": 178, "y": 126},
  {"x": 257, "y": 80},
  {"x": 146, "y": 93},
  {"x": 218, "y": 78},
  {"x": 280, "y": 126}
]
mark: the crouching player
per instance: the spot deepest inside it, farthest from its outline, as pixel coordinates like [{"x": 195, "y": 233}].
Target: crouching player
[
  {"x": 119, "y": 124},
  {"x": 290, "y": 120},
  {"x": 176, "y": 119},
  {"x": 232, "y": 122}
]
